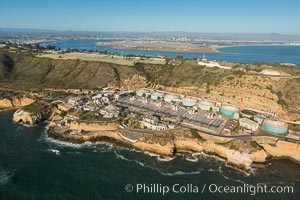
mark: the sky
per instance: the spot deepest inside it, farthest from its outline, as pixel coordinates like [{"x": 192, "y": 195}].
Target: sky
[{"x": 206, "y": 16}]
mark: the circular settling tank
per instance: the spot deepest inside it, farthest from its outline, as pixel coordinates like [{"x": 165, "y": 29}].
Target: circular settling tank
[
  {"x": 247, "y": 113},
  {"x": 228, "y": 110},
  {"x": 188, "y": 102},
  {"x": 205, "y": 105},
  {"x": 157, "y": 95},
  {"x": 171, "y": 98},
  {"x": 141, "y": 92},
  {"x": 275, "y": 126}
]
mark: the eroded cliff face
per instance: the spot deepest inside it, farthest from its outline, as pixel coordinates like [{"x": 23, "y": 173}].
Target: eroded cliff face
[
  {"x": 61, "y": 134},
  {"x": 283, "y": 149},
  {"x": 36, "y": 115},
  {"x": 237, "y": 153},
  {"x": 160, "y": 143},
  {"x": 15, "y": 102},
  {"x": 223, "y": 147},
  {"x": 6, "y": 103},
  {"x": 23, "y": 101},
  {"x": 24, "y": 117}
]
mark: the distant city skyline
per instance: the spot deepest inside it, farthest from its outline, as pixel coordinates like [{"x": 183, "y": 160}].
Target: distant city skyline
[{"x": 231, "y": 16}]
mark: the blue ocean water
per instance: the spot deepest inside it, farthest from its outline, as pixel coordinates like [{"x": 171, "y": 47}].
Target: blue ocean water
[
  {"x": 245, "y": 54},
  {"x": 34, "y": 167}
]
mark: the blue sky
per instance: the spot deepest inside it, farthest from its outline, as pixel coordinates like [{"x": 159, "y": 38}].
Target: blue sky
[{"x": 225, "y": 16}]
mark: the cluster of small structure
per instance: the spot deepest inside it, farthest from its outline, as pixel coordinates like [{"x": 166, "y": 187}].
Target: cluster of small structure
[
  {"x": 100, "y": 104},
  {"x": 160, "y": 110}
]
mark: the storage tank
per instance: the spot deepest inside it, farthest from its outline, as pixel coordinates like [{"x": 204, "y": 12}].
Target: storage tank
[
  {"x": 275, "y": 126},
  {"x": 248, "y": 113},
  {"x": 171, "y": 97},
  {"x": 188, "y": 102},
  {"x": 228, "y": 110},
  {"x": 141, "y": 92},
  {"x": 205, "y": 105},
  {"x": 157, "y": 95}
]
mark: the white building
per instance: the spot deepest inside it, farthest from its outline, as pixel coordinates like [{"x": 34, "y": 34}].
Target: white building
[
  {"x": 74, "y": 101},
  {"x": 156, "y": 127},
  {"x": 248, "y": 124},
  {"x": 212, "y": 64},
  {"x": 110, "y": 111}
]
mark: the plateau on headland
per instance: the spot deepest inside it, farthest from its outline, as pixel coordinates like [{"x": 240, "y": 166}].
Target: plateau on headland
[{"x": 244, "y": 113}]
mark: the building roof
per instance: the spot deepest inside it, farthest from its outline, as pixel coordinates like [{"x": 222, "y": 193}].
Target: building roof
[{"x": 248, "y": 121}]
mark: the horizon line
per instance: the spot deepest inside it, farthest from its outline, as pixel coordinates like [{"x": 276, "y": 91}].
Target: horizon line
[{"x": 128, "y": 31}]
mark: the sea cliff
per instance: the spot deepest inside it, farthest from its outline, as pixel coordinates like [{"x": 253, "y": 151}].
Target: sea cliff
[
  {"x": 238, "y": 153},
  {"x": 15, "y": 102}
]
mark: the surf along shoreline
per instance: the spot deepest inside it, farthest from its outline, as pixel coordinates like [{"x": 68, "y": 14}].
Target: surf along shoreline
[{"x": 238, "y": 154}]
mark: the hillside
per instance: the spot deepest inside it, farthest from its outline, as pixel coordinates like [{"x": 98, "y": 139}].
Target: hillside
[
  {"x": 29, "y": 72},
  {"x": 241, "y": 85}
]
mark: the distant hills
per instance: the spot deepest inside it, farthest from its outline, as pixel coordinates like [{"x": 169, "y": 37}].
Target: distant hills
[{"x": 204, "y": 35}]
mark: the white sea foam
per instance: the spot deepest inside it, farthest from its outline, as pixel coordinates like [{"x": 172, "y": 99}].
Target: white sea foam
[
  {"x": 5, "y": 176},
  {"x": 55, "y": 151},
  {"x": 180, "y": 173},
  {"x": 165, "y": 158},
  {"x": 19, "y": 128},
  {"x": 176, "y": 173},
  {"x": 46, "y": 138}
]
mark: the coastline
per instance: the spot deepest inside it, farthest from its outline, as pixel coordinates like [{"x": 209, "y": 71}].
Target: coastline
[{"x": 240, "y": 159}]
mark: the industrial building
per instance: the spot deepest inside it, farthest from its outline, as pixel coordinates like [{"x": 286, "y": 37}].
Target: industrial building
[
  {"x": 259, "y": 118},
  {"x": 248, "y": 124}
]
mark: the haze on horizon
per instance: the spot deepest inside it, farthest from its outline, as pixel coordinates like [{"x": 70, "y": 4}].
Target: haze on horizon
[{"x": 231, "y": 16}]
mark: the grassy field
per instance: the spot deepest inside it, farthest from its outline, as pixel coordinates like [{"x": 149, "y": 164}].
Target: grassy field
[{"x": 120, "y": 60}]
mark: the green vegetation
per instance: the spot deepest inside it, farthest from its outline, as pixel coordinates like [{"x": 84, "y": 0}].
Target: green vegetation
[
  {"x": 63, "y": 114},
  {"x": 253, "y": 144},
  {"x": 229, "y": 78},
  {"x": 33, "y": 108},
  {"x": 239, "y": 73},
  {"x": 236, "y": 128},
  {"x": 281, "y": 102},
  {"x": 279, "y": 94},
  {"x": 196, "y": 134},
  {"x": 24, "y": 71}
]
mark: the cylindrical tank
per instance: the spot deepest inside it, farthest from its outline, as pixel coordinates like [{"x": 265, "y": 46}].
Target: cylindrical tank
[
  {"x": 247, "y": 113},
  {"x": 157, "y": 95},
  {"x": 228, "y": 110},
  {"x": 141, "y": 92},
  {"x": 188, "y": 102},
  {"x": 275, "y": 126},
  {"x": 205, "y": 105},
  {"x": 171, "y": 98}
]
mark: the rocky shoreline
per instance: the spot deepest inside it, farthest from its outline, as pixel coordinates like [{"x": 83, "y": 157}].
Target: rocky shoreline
[
  {"x": 79, "y": 140},
  {"x": 239, "y": 154}
]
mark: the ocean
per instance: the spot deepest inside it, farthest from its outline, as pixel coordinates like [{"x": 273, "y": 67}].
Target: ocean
[
  {"x": 243, "y": 54},
  {"x": 33, "y": 166}
]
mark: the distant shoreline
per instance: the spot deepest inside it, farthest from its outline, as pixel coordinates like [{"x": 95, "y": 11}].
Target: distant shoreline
[{"x": 159, "y": 46}]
